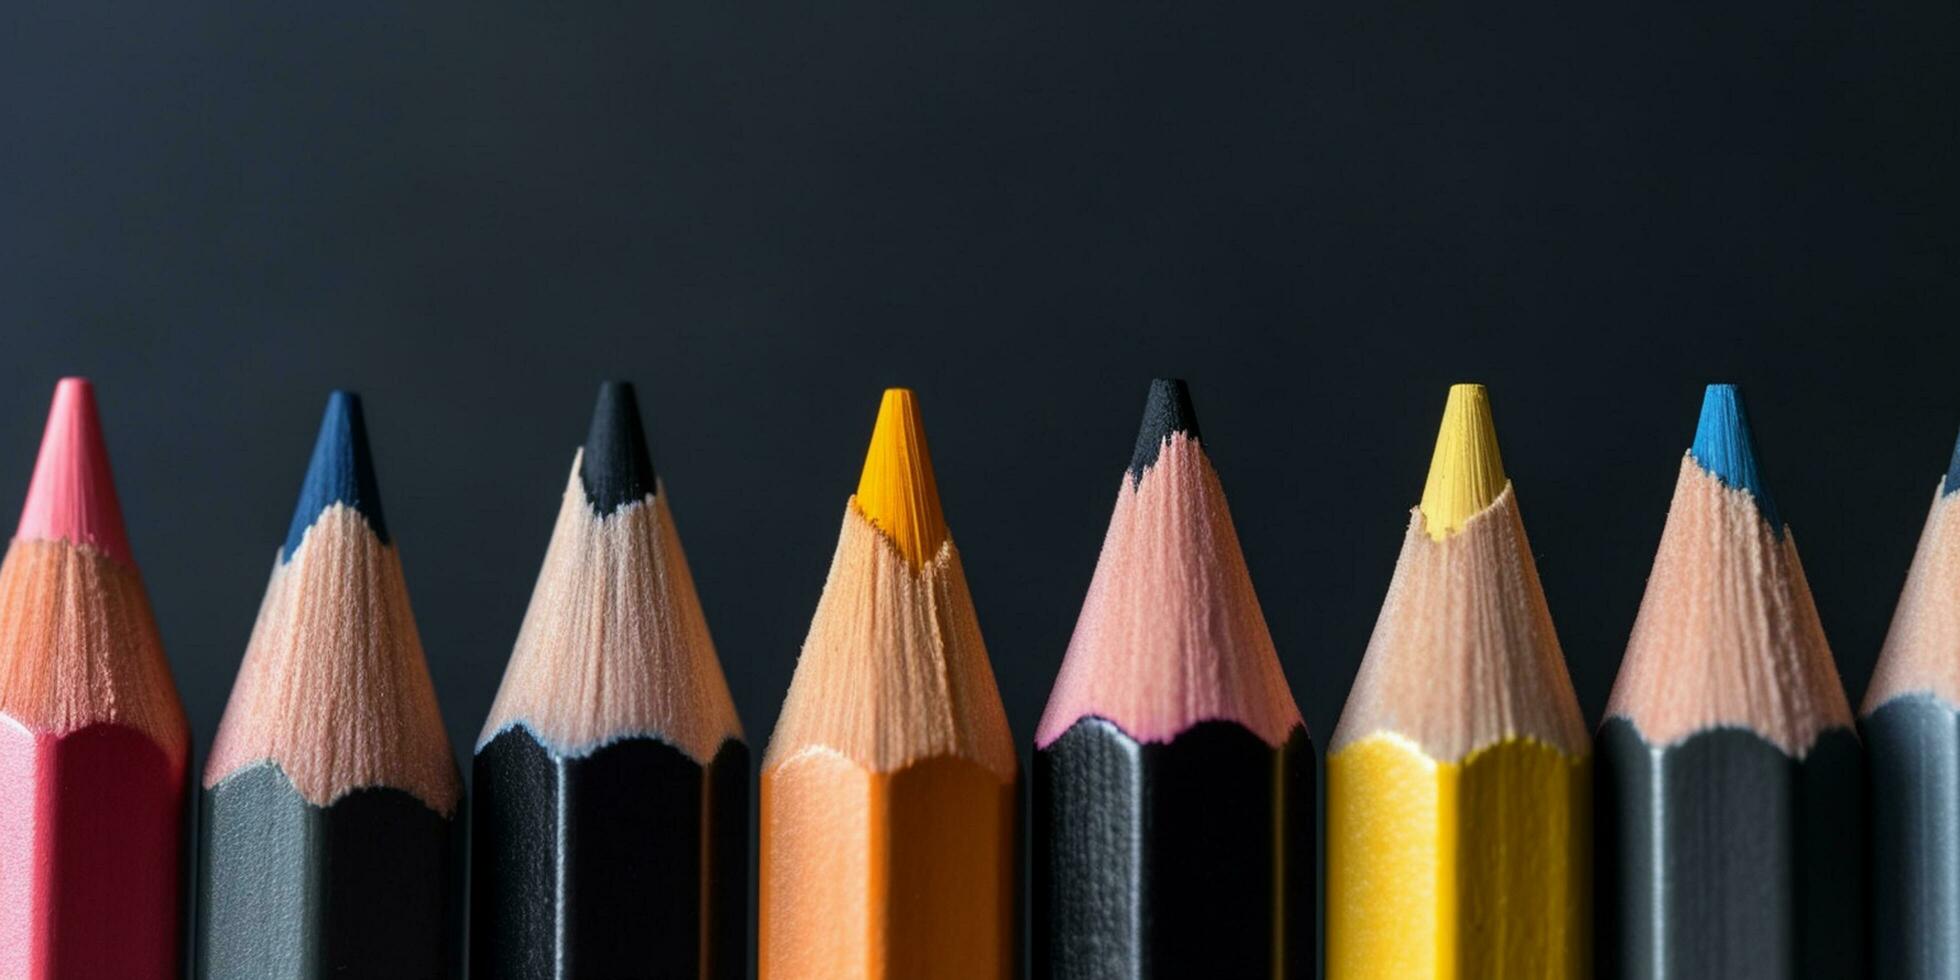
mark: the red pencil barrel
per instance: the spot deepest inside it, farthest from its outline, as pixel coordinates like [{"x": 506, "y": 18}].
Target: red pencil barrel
[{"x": 90, "y": 826}]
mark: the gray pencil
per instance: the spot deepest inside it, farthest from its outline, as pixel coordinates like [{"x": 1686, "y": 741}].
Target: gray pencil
[
  {"x": 330, "y": 795},
  {"x": 1912, "y": 731}
]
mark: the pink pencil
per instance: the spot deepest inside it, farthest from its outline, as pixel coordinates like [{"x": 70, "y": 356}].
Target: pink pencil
[
  {"x": 93, "y": 741},
  {"x": 1173, "y": 778}
]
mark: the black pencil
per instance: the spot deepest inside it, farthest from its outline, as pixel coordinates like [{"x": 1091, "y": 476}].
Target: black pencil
[
  {"x": 1730, "y": 832},
  {"x": 1911, "y": 723},
  {"x": 330, "y": 791},
  {"x": 612, "y": 783},
  {"x": 1173, "y": 777}
]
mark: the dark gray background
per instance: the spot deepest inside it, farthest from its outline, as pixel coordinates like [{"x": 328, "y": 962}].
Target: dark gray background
[{"x": 1320, "y": 213}]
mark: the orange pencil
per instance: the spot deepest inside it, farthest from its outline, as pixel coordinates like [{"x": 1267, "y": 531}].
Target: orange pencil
[{"x": 888, "y": 789}]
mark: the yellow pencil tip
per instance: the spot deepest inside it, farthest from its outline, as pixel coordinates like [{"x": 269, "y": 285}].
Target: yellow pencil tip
[
  {"x": 896, "y": 492},
  {"x": 1466, "y": 473}
]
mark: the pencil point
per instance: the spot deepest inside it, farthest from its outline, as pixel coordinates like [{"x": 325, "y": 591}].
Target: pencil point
[
  {"x": 72, "y": 496},
  {"x": 1726, "y": 449},
  {"x": 1952, "y": 471},
  {"x": 896, "y": 491},
  {"x": 1166, "y": 410},
  {"x": 616, "y": 468},
  {"x": 341, "y": 472},
  {"x": 1466, "y": 473}
]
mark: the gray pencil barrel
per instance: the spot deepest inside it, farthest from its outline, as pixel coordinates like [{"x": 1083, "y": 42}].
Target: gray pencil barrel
[
  {"x": 1720, "y": 856},
  {"x": 1913, "y": 745}
]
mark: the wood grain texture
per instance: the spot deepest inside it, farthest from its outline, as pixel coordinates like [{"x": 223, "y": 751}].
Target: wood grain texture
[
  {"x": 1727, "y": 635},
  {"x": 894, "y": 669},
  {"x": 614, "y": 643},
  {"x": 78, "y": 647},
  {"x": 334, "y": 688},
  {"x": 1464, "y": 653},
  {"x": 1922, "y": 648},
  {"x": 1171, "y": 632}
]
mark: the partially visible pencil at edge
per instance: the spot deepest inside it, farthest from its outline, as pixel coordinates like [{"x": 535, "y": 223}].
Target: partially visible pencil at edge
[
  {"x": 1911, "y": 725},
  {"x": 93, "y": 741}
]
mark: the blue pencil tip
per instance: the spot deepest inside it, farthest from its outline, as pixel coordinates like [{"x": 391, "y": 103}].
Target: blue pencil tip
[
  {"x": 341, "y": 472},
  {"x": 1952, "y": 472},
  {"x": 1725, "y": 448}
]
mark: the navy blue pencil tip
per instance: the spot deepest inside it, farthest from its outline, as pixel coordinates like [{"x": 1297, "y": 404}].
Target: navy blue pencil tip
[
  {"x": 1952, "y": 471},
  {"x": 340, "y": 472},
  {"x": 1725, "y": 447}
]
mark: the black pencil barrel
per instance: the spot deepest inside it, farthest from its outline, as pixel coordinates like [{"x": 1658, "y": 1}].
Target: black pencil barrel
[
  {"x": 1191, "y": 858},
  {"x": 631, "y": 861}
]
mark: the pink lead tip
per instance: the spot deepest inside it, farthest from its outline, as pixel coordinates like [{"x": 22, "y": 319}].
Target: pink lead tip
[{"x": 73, "y": 495}]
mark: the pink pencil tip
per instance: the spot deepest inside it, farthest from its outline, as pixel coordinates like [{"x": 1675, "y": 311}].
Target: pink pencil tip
[{"x": 73, "y": 494}]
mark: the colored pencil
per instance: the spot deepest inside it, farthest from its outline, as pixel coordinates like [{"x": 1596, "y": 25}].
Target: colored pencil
[
  {"x": 1458, "y": 781},
  {"x": 93, "y": 742},
  {"x": 1730, "y": 835},
  {"x": 610, "y": 818},
  {"x": 330, "y": 790},
  {"x": 1173, "y": 777},
  {"x": 888, "y": 789},
  {"x": 1911, "y": 725}
]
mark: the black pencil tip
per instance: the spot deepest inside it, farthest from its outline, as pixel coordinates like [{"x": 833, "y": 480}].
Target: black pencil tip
[
  {"x": 616, "y": 468},
  {"x": 1167, "y": 410}
]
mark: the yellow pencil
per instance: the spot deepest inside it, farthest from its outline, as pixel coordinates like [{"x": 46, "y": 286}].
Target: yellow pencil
[{"x": 1458, "y": 780}]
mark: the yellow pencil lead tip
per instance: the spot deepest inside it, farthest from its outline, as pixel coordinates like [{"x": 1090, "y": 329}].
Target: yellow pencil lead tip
[
  {"x": 896, "y": 492},
  {"x": 1466, "y": 473}
]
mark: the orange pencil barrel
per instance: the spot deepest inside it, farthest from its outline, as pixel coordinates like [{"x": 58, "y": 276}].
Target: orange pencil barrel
[
  {"x": 888, "y": 792},
  {"x": 904, "y": 874}
]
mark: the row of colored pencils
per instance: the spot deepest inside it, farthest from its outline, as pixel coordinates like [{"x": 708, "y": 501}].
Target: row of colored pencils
[{"x": 1468, "y": 814}]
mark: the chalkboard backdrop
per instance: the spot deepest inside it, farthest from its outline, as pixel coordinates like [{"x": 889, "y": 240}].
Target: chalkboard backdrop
[{"x": 1320, "y": 213}]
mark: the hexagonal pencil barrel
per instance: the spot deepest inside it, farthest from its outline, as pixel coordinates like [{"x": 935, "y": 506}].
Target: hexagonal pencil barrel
[
  {"x": 610, "y": 824},
  {"x": 93, "y": 742}
]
